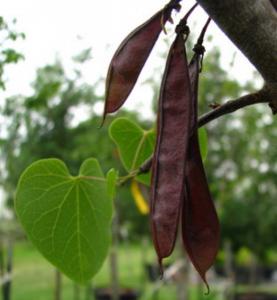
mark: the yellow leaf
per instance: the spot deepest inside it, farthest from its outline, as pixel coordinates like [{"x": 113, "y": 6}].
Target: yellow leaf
[{"x": 141, "y": 203}]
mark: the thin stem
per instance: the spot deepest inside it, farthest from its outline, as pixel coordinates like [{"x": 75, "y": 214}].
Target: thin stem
[
  {"x": 198, "y": 48},
  {"x": 190, "y": 11},
  {"x": 173, "y": 4},
  {"x": 58, "y": 285},
  {"x": 145, "y": 167},
  {"x": 91, "y": 178},
  {"x": 183, "y": 22},
  {"x": 202, "y": 34},
  {"x": 265, "y": 95},
  {"x": 232, "y": 106},
  {"x": 129, "y": 176},
  {"x": 262, "y": 96}
]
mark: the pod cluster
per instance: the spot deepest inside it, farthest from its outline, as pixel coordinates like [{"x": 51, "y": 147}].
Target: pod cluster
[{"x": 179, "y": 188}]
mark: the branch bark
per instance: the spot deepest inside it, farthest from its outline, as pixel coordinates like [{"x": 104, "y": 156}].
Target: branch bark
[
  {"x": 264, "y": 95},
  {"x": 268, "y": 94},
  {"x": 251, "y": 26}
]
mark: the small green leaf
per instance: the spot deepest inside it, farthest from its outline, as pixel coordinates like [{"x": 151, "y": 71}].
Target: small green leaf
[
  {"x": 203, "y": 141},
  {"x": 68, "y": 218},
  {"x": 135, "y": 145}
]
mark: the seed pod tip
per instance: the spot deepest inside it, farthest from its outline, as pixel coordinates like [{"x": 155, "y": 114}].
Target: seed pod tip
[
  {"x": 161, "y": 268},
  {"x": 102, "y": 121},
  {"x": 207, "y": 287}
]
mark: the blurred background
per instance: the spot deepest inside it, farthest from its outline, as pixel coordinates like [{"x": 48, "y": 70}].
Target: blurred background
[{"x": 54, "y": 57}]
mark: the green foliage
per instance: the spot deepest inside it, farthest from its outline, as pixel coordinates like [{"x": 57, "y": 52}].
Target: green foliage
[
  {"x": 67, "y": 217},
  {"x": 34, "y": 277},
  {"x": 135, "y": 145},
  {"x": 41, "y": 126},
  {"x": 84, "y": 56},
  {"x": 203, "y": 142},
  {"x": 8, "y": 55},
  {"x": 242, "y": 172},
  {"x": 215, "y": 83}
]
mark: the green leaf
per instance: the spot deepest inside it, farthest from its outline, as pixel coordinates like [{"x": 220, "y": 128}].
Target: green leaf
[
  {"x": 135, "y": 145},
  {"x": 111, "y": 182},
  {"x": 203, "y": 141},
  {"x": 68, "y": 218}
]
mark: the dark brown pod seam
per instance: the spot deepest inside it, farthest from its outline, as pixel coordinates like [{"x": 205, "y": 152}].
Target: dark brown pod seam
[
  {"x": 200, "y": 225},
  {"x": 131, "y": 56},
  {"x": 168, "y": 175}
]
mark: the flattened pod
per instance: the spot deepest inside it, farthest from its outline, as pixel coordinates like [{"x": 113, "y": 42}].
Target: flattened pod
[
  {"x": 168, "y": 174},
  {"x": 200, "y": 224},
  {"x": 130, "y": 58}
]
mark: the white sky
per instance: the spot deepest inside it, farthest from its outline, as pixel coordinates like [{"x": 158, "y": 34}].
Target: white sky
[{"x": 52, "y": 27}]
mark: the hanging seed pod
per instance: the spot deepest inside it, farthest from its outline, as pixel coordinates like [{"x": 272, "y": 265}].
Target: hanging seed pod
[
  {"x": 131, "y": 56},
  {"x": 167, "y": 188},
  {"x": 200, "y": 225}
]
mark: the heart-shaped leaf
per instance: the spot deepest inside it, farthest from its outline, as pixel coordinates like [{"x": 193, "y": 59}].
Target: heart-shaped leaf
[
  {"x": 135, "y": 145},
  {"x": 68, "y": 218}
]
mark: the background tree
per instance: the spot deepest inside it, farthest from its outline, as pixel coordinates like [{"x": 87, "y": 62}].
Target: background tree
[
  {"x": 8, "y": 54},
  {"x": 59, "y": 120},
  {"x": 45, "y": 124}
]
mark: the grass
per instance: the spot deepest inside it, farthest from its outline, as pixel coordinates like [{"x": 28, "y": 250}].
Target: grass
[{"x": 33, "y": 277}]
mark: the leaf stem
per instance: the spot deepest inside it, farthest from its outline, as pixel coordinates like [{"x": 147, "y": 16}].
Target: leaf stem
[
  {"x": 122, "y": 180},
  {"x": 92, "y": 178}
]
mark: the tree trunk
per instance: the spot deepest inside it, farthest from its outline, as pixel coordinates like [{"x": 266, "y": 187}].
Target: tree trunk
[
  {"x": 229, "y": 260},
  {"x": 6, "y": 269},
  {"x": 183, "y": 274},
  {"x": 2, "y": 265},
  {"x": 58, "y": 285},
  {"x": 89, "y": 292},
  {"x": 8, "y": 283},
  {"x": 76, "y": 292},
  {"x": 254, "y": 268},
  {"x": 114, "y": 259},
  {"x": 251, "y": 26}
]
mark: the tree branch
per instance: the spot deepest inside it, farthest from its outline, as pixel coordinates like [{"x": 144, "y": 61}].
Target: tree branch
[
  {"x": 251, "y": 26},
  {"x": 261, "y": 96},
  {"x": 268, "y": 94}
]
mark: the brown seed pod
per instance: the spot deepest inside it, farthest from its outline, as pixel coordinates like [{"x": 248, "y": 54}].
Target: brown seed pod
[
  {"x": 131, "y": 56},
  {"x": 168, "y": 175},
  {"x": 200, "y": 225}
]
